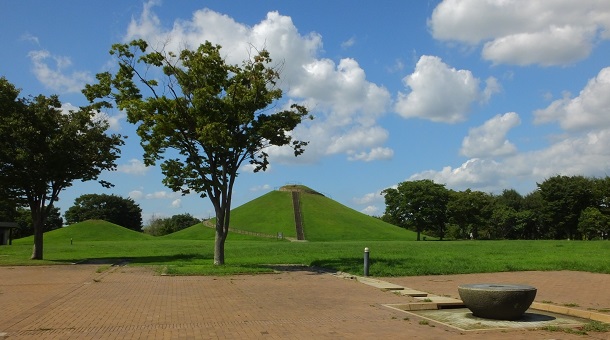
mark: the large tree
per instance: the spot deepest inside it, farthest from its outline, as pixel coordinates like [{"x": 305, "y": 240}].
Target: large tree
[
  {"x": 112, "y": 208},
  {"x": 43, "y": 150},
  {"x": 215, "y": 115},
  {"x": 470, "y": 211},
  {"x": 418, "y": 205},
  {"x": 565, "y": 197}
]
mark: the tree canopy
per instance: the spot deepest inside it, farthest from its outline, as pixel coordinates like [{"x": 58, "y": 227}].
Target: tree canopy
[
  {"x": 565, "y": 197},
  {"x": 214, "y": 115},
  {"x": 112, "y": 208},
  {"x": 418, "y": 205},
  {"x": 44, "y": 149}
]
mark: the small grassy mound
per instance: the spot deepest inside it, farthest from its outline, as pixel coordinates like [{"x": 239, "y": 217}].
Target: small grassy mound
[
  {"x": 91, "y": 230},
  {"x": 201, "y": 232},
  {"x": 196, "y": 232}
]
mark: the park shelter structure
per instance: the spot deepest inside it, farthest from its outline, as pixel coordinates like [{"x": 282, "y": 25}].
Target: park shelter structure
[{"x": 6, "y": 232}]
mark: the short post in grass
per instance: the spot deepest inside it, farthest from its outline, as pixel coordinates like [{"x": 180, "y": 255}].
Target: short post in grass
[{"x": 366, "y": 261}]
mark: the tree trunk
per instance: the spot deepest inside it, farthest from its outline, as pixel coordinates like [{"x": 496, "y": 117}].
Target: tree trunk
[
  {"x": 38, "y": 219},
  {"x": 220, "y": 237},
  {"x": 219, "y": 246},
  {"x": 38, "y": 234}
]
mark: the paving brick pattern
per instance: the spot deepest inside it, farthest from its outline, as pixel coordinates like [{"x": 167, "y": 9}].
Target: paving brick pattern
[{"x": 76, "y": 302}]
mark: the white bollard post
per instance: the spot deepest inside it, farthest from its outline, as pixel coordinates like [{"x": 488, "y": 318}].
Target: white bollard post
[{"x": 366, "y": 261}]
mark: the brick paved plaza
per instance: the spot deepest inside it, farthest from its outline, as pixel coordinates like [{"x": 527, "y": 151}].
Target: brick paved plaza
[{"x": 77, "y": 302}]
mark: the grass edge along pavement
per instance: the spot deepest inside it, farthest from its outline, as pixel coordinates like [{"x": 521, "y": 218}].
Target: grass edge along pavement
[{"x": 193, "y": 254}]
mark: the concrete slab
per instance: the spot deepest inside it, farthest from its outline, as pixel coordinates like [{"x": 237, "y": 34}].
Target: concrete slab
[
  {"x": 441, "y": 301},
  {"x": 413, "y": 306},
  {"x": 462, "y": 319},
  {"x": 383, "y": 285},
  {"x": 412, "y": 293},
  {"x": 585, "y": 314}
]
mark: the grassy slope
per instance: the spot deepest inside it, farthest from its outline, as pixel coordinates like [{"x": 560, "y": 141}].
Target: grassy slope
[
  {"x": 327, "y": 220},
  {"x": 200, "y": 232},
  {"x": 91, "y": 230},
  {"x": 268, "y": 214}
]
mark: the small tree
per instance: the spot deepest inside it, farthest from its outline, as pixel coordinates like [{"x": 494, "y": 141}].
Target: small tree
[
  {"x": 112, "y": 208},
  {"x": 215, "y": 115},
  {"x": 43, "y": 150}
]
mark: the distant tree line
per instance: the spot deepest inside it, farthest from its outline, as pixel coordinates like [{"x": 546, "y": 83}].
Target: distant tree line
[
  {"x": 158, "y": 226},
  {"x": 562, "y": 207}
]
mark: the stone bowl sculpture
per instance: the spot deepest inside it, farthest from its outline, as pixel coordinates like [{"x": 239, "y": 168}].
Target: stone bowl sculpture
[{"x": 497, "y": 301}]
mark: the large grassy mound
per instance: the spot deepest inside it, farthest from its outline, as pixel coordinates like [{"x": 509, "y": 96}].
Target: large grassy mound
[
  {"x": 323, "y": 218},
  {"x": 91, "y": 230}
]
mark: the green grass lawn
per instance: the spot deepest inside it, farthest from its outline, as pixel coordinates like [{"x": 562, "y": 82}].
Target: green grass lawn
[{"x": 193, "y": 254}]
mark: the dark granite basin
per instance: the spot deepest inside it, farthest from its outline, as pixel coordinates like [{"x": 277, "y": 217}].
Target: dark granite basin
[{"x": 497, "y": 301}]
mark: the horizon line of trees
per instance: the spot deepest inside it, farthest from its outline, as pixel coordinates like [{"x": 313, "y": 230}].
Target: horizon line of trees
[{"x": 562, "y": 207}]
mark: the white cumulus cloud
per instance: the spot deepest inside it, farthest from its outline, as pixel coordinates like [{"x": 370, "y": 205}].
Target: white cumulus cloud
[
  {"x": 524, "y": 32},
  {"x": 374, "y": 154},
  {"x": 441, "y": 93},
  {"x": 372, "y": 197},
  {"x": 489, "y": 139},
  {"x": 136, "y": 194},
  {"x": 586, "y": 155},
  {"x": 177, "y": 203},
  {"x": 160, "y": 195},
  {"x": 371, "y": 210},
  {"x": 476, "y": 173},
  {"x": 589, "y": 110},
  {"x": 133, "y": 167},
  {"x": 56, "y": 76}
]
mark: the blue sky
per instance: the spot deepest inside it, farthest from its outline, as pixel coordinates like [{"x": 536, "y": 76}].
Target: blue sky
[{"x": 479, "y": 94}]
